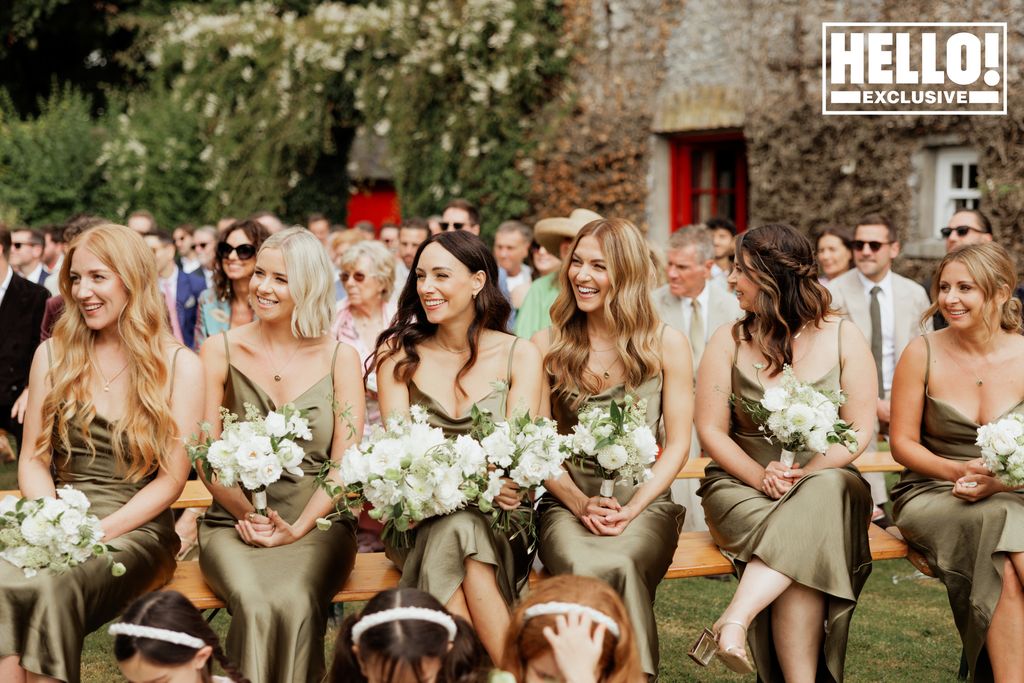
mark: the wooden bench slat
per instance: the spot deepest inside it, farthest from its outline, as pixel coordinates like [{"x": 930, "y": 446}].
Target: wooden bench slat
[
  {"x": 195, "y": 495},
  {"x": 696, "y": 555}
]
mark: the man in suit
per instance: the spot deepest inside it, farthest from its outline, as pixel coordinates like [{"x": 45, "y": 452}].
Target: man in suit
[
  {"x": 696, "y": 304},
  {"x": 21, "y": 315},
  {"x": 885, "y": 307},
  {"x": 26, "y": 255},
  {"x": 181, "y": 290}
]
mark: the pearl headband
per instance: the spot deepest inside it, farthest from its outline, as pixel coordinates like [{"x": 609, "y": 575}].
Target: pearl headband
[
  {"x": 152, "y": 633},
  {"x": 549, "y": 608},
  {"x": 404, "y": 614}
]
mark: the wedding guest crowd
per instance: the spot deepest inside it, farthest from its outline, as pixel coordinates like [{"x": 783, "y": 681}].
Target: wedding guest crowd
[{"x": 352, "y": 324}]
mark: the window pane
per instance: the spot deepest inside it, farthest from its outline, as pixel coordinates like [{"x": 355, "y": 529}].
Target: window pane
[
  {"x": 701, "y": 207},
  {"x": 702, "y": 163},
  {"x": 725, "y": 160},
  {"x": 958, "y": 175},
  {"x": 726, "y": 206},
  {"x": 972, "y": 176}
]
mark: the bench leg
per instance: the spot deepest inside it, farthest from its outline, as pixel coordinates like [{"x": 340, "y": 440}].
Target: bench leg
[{"x": 211, "y": 615}]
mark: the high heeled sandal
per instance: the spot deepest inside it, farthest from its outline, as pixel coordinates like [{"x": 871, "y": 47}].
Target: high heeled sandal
[{"x": 706, "y": 648}]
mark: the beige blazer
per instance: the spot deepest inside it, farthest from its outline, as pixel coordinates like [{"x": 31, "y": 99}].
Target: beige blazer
[
  {"x": 722, "y": 309},
  {"x": 910, "y": 301}
]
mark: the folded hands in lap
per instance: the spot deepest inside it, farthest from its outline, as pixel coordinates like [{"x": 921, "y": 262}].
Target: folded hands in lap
[
  {"x": 267, "y": 532},
  {"x": 779, "y": 479},
  {"x": 606, "y": 517}
]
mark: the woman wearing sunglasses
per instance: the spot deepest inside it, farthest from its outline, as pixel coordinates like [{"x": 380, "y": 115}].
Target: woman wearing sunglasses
[{"x": 226, "y": 304}]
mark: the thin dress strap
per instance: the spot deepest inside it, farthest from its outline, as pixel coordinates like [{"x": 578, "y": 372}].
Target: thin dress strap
[
  {"x": 49, "y": 353},
  {"x": 227, "y": 353},
  {"x": 928, "y": 360},
  {"x": 334, "y": 360},
  {"x": 511, "y": 354},
  {"x": 174, "y": 364},
  {"x": 839, "y": 344}
]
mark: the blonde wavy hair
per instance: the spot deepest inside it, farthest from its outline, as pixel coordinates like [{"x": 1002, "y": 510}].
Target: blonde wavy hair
[
  {"x": 993, "y": 270},
  {"x": 145, "y": 432},
  {"x": 309, "y": 280},
  {"x": 631, "y": 268}
]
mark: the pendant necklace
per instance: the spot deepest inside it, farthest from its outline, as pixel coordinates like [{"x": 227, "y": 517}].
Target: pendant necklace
[
  {"x": 107, "y": 382},
  {"x": 615, "y": 359},
  {"x": 270, "y": 356},
  {"x": 977, "y": 380}
]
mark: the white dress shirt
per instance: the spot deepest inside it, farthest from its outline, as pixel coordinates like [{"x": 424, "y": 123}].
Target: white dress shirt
[
  {"x": 703, "y": 300},
  {"x": 519, "y": 278},
  {"x": 6, "y": 283},
  {"x": 887, "y": 310},
  {"x": 33, "y": 277}
]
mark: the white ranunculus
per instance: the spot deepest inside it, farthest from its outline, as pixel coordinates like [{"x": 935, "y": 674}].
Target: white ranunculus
[
  {"x": 499, "y": 448},
  {"x": 612, "y": 457},
  {"x": 471, "y": 456},
  {"x": 291, "y": 456},
  {"x": 774, "y": 399},
  {"x": 799, "y": 418},
  {"x": 276, "y": 424}
]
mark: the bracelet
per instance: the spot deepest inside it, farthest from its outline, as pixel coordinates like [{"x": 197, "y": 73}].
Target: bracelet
[{"x": 249, "y": 515}]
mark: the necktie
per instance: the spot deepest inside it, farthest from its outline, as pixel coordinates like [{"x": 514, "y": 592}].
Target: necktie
[
  {"x": 876, "y": 337},
  {"x": 172, "y": 309},
  {"x": 696, "y": 330}
]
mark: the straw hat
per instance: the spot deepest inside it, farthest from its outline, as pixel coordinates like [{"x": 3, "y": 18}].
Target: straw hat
[{"x": 549, "y": 232}]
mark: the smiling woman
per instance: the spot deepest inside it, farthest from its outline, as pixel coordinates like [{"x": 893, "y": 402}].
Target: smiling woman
[{"x": 226, "y": 304}]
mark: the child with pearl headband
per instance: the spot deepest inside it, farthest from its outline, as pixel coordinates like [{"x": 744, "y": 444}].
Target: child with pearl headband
[
  {"x": 162, "y": 636},
  {"x": 572, "y": 629},
  {"x": 405, "y": 635}
]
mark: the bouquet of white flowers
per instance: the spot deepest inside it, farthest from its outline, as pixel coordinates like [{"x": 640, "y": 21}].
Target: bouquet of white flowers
[
  {"x": 254, "y": 453},
  {"x": 619, "y": 440},
  {"x": 800, "y": 418},
  {"x": 51, "y": 533},
  {"x": 1002, "y": 449},
  {"x": 526, "y": 450},
  {"x": 409, "y": 471}
]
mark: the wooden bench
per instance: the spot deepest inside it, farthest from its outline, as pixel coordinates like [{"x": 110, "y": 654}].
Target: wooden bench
[
  {"x": 696, "y": 555},
  {"x": 872, "y": 461},
  {"x": 195, "y": 495}
]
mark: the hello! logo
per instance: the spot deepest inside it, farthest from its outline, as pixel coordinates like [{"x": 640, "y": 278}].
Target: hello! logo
[{"x": 913, "y": 68}]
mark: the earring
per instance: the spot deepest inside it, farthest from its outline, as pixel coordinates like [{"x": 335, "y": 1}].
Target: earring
[{"x": 474, "y": 295}]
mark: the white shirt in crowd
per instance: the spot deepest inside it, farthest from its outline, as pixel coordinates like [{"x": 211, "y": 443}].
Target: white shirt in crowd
[
  {"x": 6, "y": 284},
  {"x": 190, "y": 264},
  {"x": 703, "y": 300},
  {"x": 33, "y": 277},
  {"x": 172, "y": 281},
  {"x": 885, "y": 306},
  {"x": 518, "y": 279}
]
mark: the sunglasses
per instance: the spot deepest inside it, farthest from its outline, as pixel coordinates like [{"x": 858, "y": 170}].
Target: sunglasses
[
  {"x": 858, "y": 245},
  {"x": 357, "y": 276},
  {"x": 960, "y": 230},
  {"x": 243, "y": 251},
  {"x": 201, "y": 245},
  {"x": 19, "y": 245},
  {"x": 445, "y": 225}
]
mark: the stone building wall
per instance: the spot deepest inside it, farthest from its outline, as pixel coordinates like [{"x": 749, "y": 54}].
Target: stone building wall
[{"x": 648, "y": 70}]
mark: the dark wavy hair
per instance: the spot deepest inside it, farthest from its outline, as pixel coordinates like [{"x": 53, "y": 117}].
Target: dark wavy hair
[
  {"x": 256, "y": 234},
  {"x": 399, "y": 645},
  {"x": 172, "y": 611},
  {"x": 410, "y": 327},
  {"x": 780, "y": 261}
]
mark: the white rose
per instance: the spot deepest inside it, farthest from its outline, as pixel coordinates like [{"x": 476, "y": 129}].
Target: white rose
[
  {"x": 35, "y": 529},
  {"x": 354, "y": 466},
  {"x": 499, "y": 448},
  {"x": 646, "y": 444},
  {"x": 470, "y": 454},
  {"x": 275, "y": 424},
  {"x": 612, "y": 457},
  {"x": 73, "y": 497},
  {"x": 799, "y": 418},
  {"x": 583, "y": 441},
  {"x": 1002, "y": 443},
  {"x": 817, "y": 441},
  {"x": 774, "y": 399},
  {"x": 291, "y": 456},
  {"x": 8, "y": 504}
]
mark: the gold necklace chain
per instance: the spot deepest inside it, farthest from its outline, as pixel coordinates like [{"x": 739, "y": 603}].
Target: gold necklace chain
[
  {"x": 270, "y": 356},
  {"x": 107, "y": 382}
]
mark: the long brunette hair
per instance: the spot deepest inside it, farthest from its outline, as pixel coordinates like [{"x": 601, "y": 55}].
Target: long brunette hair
[
  {"x": 144, "y": 433},
  {"x": 410, "y": 326},
  {"x": 631, "y": 276},
  {"x": 780, "y": 261}
]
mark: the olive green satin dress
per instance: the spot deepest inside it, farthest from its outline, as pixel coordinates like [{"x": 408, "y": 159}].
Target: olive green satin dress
[
  {"x": 44, "y": 619},
  {"x": 635, "y": 561},
  {"x": 965, "y": 543},
  {"x": 435, "y": 562},
  {"x": 279, "y": 598},
  {"x": 816, "y": 534}
]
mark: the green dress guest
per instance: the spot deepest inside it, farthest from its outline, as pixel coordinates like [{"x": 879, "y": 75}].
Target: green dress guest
[
  {"x": 448, "y": 353},
  {"x": 605, "y": 342},
  {"x": 797, "y": 536},
  {"x": 277, "y": 574},
  {"x": 967, "y": 524},
  {"x": 123, "y": 453}
]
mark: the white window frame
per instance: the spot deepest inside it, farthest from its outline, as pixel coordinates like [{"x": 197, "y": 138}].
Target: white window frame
[{"x": 946, "y": 196}]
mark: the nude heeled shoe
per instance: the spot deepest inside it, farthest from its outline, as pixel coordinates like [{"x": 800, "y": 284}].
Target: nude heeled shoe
[{"x": 707, "y": 648}]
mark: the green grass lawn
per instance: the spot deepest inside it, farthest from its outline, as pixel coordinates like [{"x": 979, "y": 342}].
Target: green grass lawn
[{"x": 902, "y": 629}]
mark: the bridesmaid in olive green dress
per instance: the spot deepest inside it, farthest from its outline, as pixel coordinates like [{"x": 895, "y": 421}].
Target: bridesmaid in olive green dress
[
  {"x": 86, "y": 427},
  {"x": 796, "y": 536},
  {"x": 606, "y": 341},
  {"x": 968, "y": 525},
  {"x": 278, "y": 573},
  {"x": 449, "y": 352}
]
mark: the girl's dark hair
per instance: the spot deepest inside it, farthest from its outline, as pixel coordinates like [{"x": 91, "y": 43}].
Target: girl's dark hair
[
  {"x": 256, "y": 234},
  {"x": 410, "y": 326},
  {"x": 402, "y": 645},
  {"x": 844, "y": 234},
  {"x": 172, "y": 611},
  {"x": 780, "y": 261}
]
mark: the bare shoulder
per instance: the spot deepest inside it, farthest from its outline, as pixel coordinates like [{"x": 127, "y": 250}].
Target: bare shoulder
[
  {"x": 525, "y": 351},
  {"x": 672, "y": 342},
  {"x": 188, "y": 369},
  {"x": 542, "y": 339}
]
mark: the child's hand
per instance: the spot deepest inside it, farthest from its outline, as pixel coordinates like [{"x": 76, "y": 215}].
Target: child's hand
[{"x": 576, "y": 649}]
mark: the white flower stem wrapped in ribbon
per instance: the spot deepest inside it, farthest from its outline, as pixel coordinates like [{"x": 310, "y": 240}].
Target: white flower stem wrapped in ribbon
[
  {"x": 253, "y": 453},
  {"x": 409, "y": 471},
  {"x": 800, "y": 418},
  {"x": 618, "y": 441},
  {"x": 525, "y": 450},
  {"x": 1002, "y": 449},
  {"x": 51, "y": 533}
]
